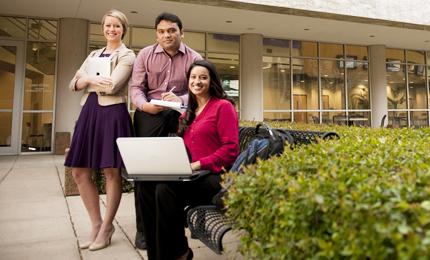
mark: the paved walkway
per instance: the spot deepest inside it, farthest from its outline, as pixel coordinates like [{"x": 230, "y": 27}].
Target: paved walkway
[{"x": 38, "y": 222}]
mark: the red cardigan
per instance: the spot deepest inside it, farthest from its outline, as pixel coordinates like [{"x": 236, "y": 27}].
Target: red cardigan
[{"x": 213, "y": 137}]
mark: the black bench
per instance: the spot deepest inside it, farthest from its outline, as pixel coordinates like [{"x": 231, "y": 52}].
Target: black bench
[{"x": 207, "y": 222}]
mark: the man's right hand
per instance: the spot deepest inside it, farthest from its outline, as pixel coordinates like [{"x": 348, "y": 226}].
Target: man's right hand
[{"x": 152, "y": 109}]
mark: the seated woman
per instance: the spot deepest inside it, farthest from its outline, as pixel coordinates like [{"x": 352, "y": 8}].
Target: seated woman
[{"x": 210, "y": 131}]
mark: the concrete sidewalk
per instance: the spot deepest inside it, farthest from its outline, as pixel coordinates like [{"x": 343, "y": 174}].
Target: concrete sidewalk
[{"x": 38, "y": 222}]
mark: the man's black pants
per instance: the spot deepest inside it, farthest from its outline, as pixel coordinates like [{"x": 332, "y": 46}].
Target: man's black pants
[{"x": 148, "y": 125}]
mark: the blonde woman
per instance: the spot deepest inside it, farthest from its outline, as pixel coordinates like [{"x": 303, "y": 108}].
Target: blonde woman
[{"x": 104, "y": 117}]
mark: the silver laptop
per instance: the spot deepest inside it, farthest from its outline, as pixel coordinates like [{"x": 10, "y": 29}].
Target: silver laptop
[
  {"x": 156, "y": 159},
  {"x": 98, "y": 66}
]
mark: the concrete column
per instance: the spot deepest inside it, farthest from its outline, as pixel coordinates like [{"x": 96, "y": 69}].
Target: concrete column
[
  {"x": 378, "y": 84},
  {"x": 251, "y": 77},
  {"x": 72, "y": 51}
]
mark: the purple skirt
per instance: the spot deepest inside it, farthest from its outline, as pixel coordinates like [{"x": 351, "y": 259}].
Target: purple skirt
[{"x": 94, "y": 139}]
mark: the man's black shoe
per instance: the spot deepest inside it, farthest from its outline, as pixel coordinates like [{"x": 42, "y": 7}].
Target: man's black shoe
[{"x": 140, "y": 241}]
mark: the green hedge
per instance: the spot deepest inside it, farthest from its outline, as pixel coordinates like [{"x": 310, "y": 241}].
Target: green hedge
[{"x": 366, "y": 195}]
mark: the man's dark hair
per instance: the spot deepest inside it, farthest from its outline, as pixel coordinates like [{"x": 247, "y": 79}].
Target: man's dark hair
[{"x": 168, "y": 17}]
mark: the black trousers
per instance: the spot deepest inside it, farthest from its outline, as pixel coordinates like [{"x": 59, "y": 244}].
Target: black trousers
[
  {"x": 163, "y": 215},
  {"x": 148, "y": 125}
]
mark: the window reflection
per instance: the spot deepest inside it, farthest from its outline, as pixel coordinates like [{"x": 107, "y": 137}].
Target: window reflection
[
  {"x": 276, "y": 47},
  {"x": 277, "y": 116},
  {"x": 276, "y": 83},
  {"x": 358, "y": 86},
  {"x": 304, "y": 49},
  {"x": 39, "y": 76},
  {"x": 417, "y": 87},
  {"x": 396, "y": 88},
  {"x": 36, "y": 132},
  {"x": 332, "y": 84},
  {"x": 222, "y": 43},
  {"x": 7, "y": 76},
  {"x": 358, "y": 51},
  {"x": 419, "y": 118},
  {"x": 45, "y": 30},
  {"x": 227, "y": 66},
  {"x": 415, "y": 56},
  {"x": 331, "y": 50},
  {"x": 12, "y": 27},
  {"x": 305, "y": 84},
  {"x": 5, "y": 129}
]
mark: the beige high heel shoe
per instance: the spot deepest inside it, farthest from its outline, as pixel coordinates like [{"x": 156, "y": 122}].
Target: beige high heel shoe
[
  {"x": 94, "y": 246},
  {"x": 85, "y": 245}
]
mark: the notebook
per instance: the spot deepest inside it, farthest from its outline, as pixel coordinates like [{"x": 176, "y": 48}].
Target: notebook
[{"x": 156, "y": 159}]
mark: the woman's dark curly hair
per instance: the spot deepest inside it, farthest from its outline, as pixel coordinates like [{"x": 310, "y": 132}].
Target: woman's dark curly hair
[{"x": 215, "y": 90}]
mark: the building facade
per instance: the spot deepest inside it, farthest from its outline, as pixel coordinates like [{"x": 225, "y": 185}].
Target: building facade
[{"x": 307, "y": 62}]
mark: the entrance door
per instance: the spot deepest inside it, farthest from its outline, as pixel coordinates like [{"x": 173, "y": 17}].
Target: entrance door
[
  {"x": 11, "y": 75},
  {"x": 300, "y": 103}
]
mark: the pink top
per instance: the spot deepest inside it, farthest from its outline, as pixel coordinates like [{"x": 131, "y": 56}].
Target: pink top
[
  {"x": 213, "y": 137},
  {"x": 155, "y": 72}
]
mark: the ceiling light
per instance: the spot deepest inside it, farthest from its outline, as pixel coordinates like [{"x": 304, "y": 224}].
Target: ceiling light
[
  {"x": 228, "y": 21},
  {"x": 372, "y": 36},
  {"x": 232, "y": 67},
  {"x": 306, "y": 29}
]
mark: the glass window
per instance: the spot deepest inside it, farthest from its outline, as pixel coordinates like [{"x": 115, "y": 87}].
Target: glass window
[
  {"x": 397, "y": 119},
  {"x": 417, "y": 88},
  {"x": 307, "y": 117},
  {"x": 358, "y": 86},
  {"x": 277, "y": 116},
  {"x": 332, "y": 84},
  {"x": 304, "y": 49},
  {"x": 305, "y": 84},
  {"x": 39, "y": 76},
  {"x": 42, "y": 30},
  {"x": 276, "y": 83},
  {"x": 359, "y": 119},
  {"x": 331, "y": 50},
  {"x": 227, "y": 66},
  {"x": 5, "y": 129},
  {"x": 415, "y": 56},
  {"x": 419, "y": 118},
  {"x": 195, "y": 41},
  {"x": 142, "y": 37},
  {"x": 7, "y": 76},
  {"x": 276, "y": 47},
  {"x": 36, "y": 132},
  {"x": 395, "y": 55},
  {"x": 396, "y": 86},
  {"x": 337, "y": 118},
  {"x": 222, "y": 43},
  {"x": 12, "y": 27},
  {"x": 358, "y": 51}
]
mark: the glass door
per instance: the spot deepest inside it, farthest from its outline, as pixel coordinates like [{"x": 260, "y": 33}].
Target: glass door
[{"x": 11, "y": 75}]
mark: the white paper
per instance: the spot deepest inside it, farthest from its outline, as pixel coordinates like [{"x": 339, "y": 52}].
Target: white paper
[{"x": 169, "y": 104}]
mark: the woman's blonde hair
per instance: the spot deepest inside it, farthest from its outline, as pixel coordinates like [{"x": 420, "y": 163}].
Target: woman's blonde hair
[{"x": 120, "y": 16}]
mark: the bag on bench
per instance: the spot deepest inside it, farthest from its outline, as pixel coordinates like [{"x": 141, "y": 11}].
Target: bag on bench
[{"x": 265, "y": 143}]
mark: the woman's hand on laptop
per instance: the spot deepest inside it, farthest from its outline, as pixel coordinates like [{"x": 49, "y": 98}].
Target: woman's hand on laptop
[{"x": 195, "y": 166}]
